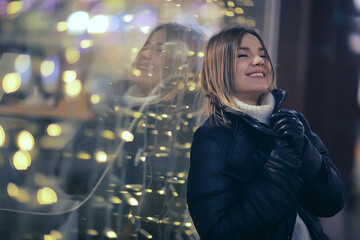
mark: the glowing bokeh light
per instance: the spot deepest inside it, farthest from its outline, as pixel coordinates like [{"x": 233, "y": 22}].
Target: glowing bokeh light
[
  {"x": 127, "y": 136},
  {"x": 101, "y": 156},
  {"x": 50, "y": 73},
  {"x": 46, "y": 196},
  {"x": 128, "y": 17},
  {"x": 56, "y": 234},
  {"x": 47, "y": 68},
  {"x": 61, "y": 26},
  {"x": 95, "y": 98},
  {"x": 136, "y": 72},
  {"x": 133, "y": 202},
  {"x": 12, "y": 190},
  {"x": 78, "y": 22},
  {"x": 21, "y": 160},
  {"x": 53, "y": 130},
  {"x": 73, "y": 88},
  {"x": 111, "y": 234},
  {"x": 2, "y": 136},
  {"x": 86, "y": 43},
  {"x": 25, "y": 141},
  {"x": 11, "y": 82},
  {"x": 24, "y": 196},
  {"x": 22, "y": 63},
  {"x": 116, "y": 200},
  {"x": 69, "y": 76},
  {"x": 72, "y": 55},
  {"x": 49, "y": 237},
  {"x": 14, "y": 7},
  {"x": 98, "y": 24}
]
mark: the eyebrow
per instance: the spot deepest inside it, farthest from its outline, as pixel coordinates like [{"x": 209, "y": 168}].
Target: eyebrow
[{"x": 248, "y": 49}]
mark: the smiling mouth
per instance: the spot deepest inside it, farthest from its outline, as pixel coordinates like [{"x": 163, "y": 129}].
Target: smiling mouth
[{"x": 253, "y": 75}]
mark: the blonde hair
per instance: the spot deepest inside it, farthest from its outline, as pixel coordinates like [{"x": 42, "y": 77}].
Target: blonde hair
[{"x": 218, "y": 71}]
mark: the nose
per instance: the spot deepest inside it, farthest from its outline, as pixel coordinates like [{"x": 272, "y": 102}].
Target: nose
[
  {"x": 145, "y": 53},
  {"x": 258, "y": 61}
]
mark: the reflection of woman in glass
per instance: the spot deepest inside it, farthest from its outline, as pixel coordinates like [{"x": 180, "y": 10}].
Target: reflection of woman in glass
[
  {"x": 165, "y": 71},
  {"x": 257, "y": 171},
  {"x": 143, "y": 191}
]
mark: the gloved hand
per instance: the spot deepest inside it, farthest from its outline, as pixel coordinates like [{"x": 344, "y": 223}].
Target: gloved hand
[
  {"x": 284, "y": 154},
  {"x": 288, "y": 126}
]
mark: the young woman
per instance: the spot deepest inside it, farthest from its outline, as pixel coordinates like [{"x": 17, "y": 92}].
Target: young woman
[{"x": 257, "y": 171}]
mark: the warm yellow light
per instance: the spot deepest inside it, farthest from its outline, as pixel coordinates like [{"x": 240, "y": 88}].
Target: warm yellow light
[
  {"x": 201, "y": 54},
  {"x": 46, "y": 196},
  {"x": 83, "y": 156},
  {"x": 98, "y": 24},
  {"x": 108, "y": 134},
  {"x": 24, "y": 196},
  {"x": 116, "y": 200},
  {"x": 47, "y": 67},
  {"x": 2, "y": 136},
  {"x": 25, "y": 141},
  {"x": 72, "y": 55},
  {"x": 56, "y": 234},
  {"x": 11, "y": 82},
  {"x": 177, "y": 223},
  {"x": 145, "y": 29},
  {"x": 127, "y": 136},
  {"x": 190, "y": 53},
  {"x": 92, "y": 232},
  {"x": 133, "y": 202},
  {"x": 49, "y": 237},
  {"x": 86, "y": 43},
  {"x": 101, "y": 156},
  {"x": 229, "y": 13},
  {"x": 248, "y": 3},
  {"x": 12, "y": 190},
  {"x": 95, "y": 98},
  {"x": 73, "y": 88},
  {"x": 145, "y": 233},
  {"x": 53, "y": 130},
  {"x": 21, "y": 160},
  {"x": 188, "y": 224},
  {"x": 128, "y": 17},
  {"x": 69, "y": 76},
  {"x": 22, "y": 63},
  {"x": 239, "y": 10},
  {"x": 61, "y": 26},
  {"x": 111, "y": 234},
  {"x": 250, "y": 22},
  {"x": 14, "y": 7},
  {"x": 136, "y": 72},
  {"x": 161, "y": 192},
  {"x": 230, "y": 4}
]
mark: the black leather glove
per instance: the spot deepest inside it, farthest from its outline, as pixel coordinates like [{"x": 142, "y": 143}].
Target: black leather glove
[
  {"x": 284, "y": 154},
  {"x": 288, "y": 126}
]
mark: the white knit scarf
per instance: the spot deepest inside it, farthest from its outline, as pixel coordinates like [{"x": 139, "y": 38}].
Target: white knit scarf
[{"x": 260, "y": 112}]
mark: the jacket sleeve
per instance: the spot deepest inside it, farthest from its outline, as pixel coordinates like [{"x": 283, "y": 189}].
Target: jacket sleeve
[
  {"x": 222, "y": 209},
  {"x": 323, "y": 189}
]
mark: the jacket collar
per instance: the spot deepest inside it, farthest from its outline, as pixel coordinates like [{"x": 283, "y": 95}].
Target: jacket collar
[{"x": 232, "y": 117}]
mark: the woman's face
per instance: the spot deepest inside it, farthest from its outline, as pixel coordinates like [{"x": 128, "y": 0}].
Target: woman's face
[
  {"x": 150, "y": 61},
  {"x": 252, "y": 73}
]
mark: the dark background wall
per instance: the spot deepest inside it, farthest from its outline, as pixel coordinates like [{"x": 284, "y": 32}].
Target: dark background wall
[
  {"x": 318, "y": 68},
  {"x": 320, "y": 71}
]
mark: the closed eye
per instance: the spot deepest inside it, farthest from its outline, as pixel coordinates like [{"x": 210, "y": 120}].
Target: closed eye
[{"x": 242, "y": 55}]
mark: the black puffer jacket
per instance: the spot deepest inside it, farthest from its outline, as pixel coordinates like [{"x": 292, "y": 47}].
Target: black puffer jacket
[{"x": 231, "y": 195}]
